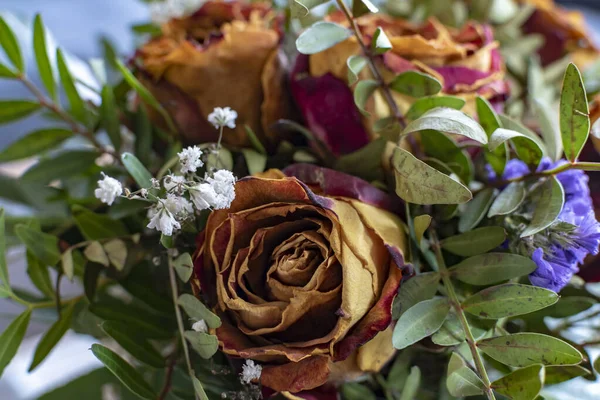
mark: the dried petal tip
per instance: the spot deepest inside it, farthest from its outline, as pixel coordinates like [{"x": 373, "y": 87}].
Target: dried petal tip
[
  {"x": 221, "y": 117},
  {"x": 108, "y": 190},
  {"x": 250, "y": 372}
]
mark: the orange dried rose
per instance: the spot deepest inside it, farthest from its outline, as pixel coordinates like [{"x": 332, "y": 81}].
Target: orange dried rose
[
  {"x": 303, "y": 282},
  {"x": 226, "y": 54}
]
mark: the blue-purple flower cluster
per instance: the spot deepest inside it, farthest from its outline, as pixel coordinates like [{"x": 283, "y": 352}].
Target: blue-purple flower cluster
[{"x": 558, "y": 260}]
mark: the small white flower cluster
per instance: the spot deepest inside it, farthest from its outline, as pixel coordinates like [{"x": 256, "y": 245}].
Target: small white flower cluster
[
  {"x": 221, "y": 117},
  {"x": 163, "y": 11},
  {"x": 250, "y": 372},
  {"x": 200, "y": 326},
  {"x": 108, "y": 189}
]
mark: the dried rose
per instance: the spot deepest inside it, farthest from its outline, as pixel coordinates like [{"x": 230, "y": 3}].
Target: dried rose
[
  {"x": 302, "y": 281},
  {"x": 467, "y": 63},
  {"x": 226, "y": 54}
]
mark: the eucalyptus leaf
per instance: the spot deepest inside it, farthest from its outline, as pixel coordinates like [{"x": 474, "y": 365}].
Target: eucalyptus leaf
[
  {"x": 11, "y": 338},
  {"x": 10, "y": 44},
  {"x": 116, "y": 250},
  {"x": 363, "y": 92},
  {"x": 490, "y": 121},
  {"x": 362, "y": 7},
  {"x": 52, "y": 336},
  {"x": 124, "y": 372},
  {"x": 42, "y": 245},
  {"x": 563, "y": 373},
  {"x": 301, "y": 8},
  {"x": 321, "y": 36},
  {"x": 415, "y": 290},
  {"x": 522, "y": 384},
  {"x": 476, "y": 210},
  {"x": 461, "y": 380},
  {"x": 448, "y": 120},
  {"x": 196, "y": 310},
  {"x": 548, "y": 205},
  {"x": 137, "y": 170},
  {"x": 477, "y": 241},
  {"x": 527, "y": 149},
  {"x": 451, "y": 333},
  {"x": 421, "y": 224},
  {"x": 514, "y": 125},
  {"x": 35, "y": 143},
  {"x": 420, "y": 321},
  {"x": 508, "y": 300},
  {"x": 574, "y": 113},
  {"x": 417, "y": 182},
  {"x": 424, "y": 104},
  {"x": 68, "y": 84},
  {"x": 68, "y": 266},
  {"x": 95, "y": 226},
  {"x": 204, "y": 344},
  {"x": 138, "y": 347},
  {"x": 356, "y": 64},
  {"x": 380, "y": 43},
  {"x": 12, "y": 110},
  {"x": 255, "y": 161},
  {"x": 549, "y": 128},
  {"x": 416, "y": 84},
  {"x": 184, "y": 266},
  {"x": 509, "y": 200},
  {"x": 95, "y": 253},
  {"x": 490, "y": 268},
  {"x": 40, "y": 48},
  {"x": 525, "y": 349},
  {"x": 569, "y": 306},
  {"x": 62, "y": 166}
]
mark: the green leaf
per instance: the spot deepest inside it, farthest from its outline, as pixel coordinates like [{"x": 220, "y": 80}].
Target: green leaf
[
  {"x": 42, "y": 245},
  {"x": 448, "y": 120},
  {"x": 421, "y": 224},
  {"x": 365, "y": 162},
  {"x": 62, "y": 166},
  {"x": 416, "y": 84},
  {"x": 95, "y": 253},
  {"x": 109, "y": 116},
  {"x": 362, "y": 7},
  {"x": 137, "y": 170},
  {"x": 491, "y": 268},
  {"x": 420, "y": 321},
  {"x": 527, "y": 149},
  {"x": 35, "y": 143},
  {"x": 356, "y": 391},
  {"x": 548, "y": 205},
  {"x": 9, "y": 43},
  {"x": 4, "y": 280},
  {"x": 513, "y": 125},
  {"x": 524, "y": 349},
  {"x": 40, "y": 48},
  {"x": 475, "y": 242},
  {"x": 451, "y": 333},
  {"x": 12, "y": 110},
  {"x": 549, "y": 129},
  {"x": 563, "y": 373},
  {"x": 461, "y": 380},
  {"x": 363, "y": 92},
  {"x": 68, "y": 84},
  {"x": 574, "y": 113},
  {"x": 569, "y": 306},
  {"x": 97, "y": 226},
  {"x": 487, "y": 116},
  {"x": 443, "y": 148},
  {"x": 11, "y": 338},
  {"x": 380, "y": 42},
  {"x": 138, "y": 347},
  {"x": 321, "y": 36},
  {"x": 417, "y": 182},
  {"x": 415, "y": 290},
  {"x": 68, "y": 267},
  {"x": 424, "y": 104},
  {"x": 254, "y": 141},
  {"x": 6, "y": 72},
  {"x": 522, "y": 384},
  {"x": 508, "y": 300},
  {"x": 509, "y": 200},
  {"x": 300, "y": 8},
  {"x": 116, "y": 250},
  {"x": 124, "y": 372},
  {"x": 476, "y": 210},
  {"x": 53, "y": 336},
  {"x": 255, "y": 161},
  {"x": 411, "y": 385},
  {"x": 147, "y": 324},
  {"x": 143, "y": 135},
  {"x": 597, "y": 365},
  {"x": 204, "y": 344},
  {"x": 356, "y": 64},
  {"x": 197, "y": 311},
  {"x": 198, "y": 389},
  {"x": 4, "y": 292},
  {"x": 39, "y": 276},
  {"x": 184, "y": 266}
]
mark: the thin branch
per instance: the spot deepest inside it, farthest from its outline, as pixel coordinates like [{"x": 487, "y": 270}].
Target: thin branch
[
  {"x": 168, "y": 377},
  {"x": 581, "y": 165}
]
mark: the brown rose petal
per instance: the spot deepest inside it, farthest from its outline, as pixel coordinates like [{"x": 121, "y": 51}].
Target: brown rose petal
[{"x": 294, "y": 377}]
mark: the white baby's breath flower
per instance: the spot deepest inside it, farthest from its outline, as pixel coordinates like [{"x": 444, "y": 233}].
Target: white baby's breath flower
[
  {"x": 203, "y": 196},
  {"x": 172, "y": 181},
  {"x": 190, "y": 159},
  {"x": 221, "y": 117},
  {"x": 200, "y": 326},
  {"x": 108, "y": 189},
  {"x": 250, "y": 372},
  {"x": 223, "y": 182},
  {"x": 162, "y": 220},
  {"x": 179, "y": 206}
]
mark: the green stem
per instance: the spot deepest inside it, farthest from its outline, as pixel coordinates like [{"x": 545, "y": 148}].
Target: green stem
[
  {"x": 583, "y": 165},
  {"x": 462, "y": 318}
]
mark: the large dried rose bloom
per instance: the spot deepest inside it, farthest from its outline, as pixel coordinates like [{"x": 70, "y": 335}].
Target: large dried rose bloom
[
  {"x": 226, "y": 54},
  {"x": 302, "y": 281},
  {"x": 467, "y": 62}
]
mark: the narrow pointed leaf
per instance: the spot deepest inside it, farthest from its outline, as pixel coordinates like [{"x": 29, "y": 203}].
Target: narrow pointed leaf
[
  {"x": 147, "y": 324},
  {"x": 124, "y": 372},
  {"x": 416, "y": 84},
  {"x": 321, "y": 36},
  {"x": 8, "y": 41},
  {"x": 548, "y": 205},
  {"x": 138, "y": 347},
  {"x": 68, "y": 84},
  {"x": 563, "y": 373},
  {"x": 417, "y": 289},
  {"x": 522, "y": 384},
  {"x": 40, "y": 276},
  {"x": 11, "y": 339},
  {"x": 524, "y": 349},
  {"x": 6, "y": 72},
  {"x": 411, "y": 385},
  {"x": 137, "y": 170},
  {"x": 42, "y": 245},
  {"x": 574, "y": 113},
  {"x": 12, "y": 110},
  {"x": 62, "y": 166},
  {"x": 420, "y": 321},
  {"x": 95, "y": 226},
  {"x": 4, "y": 280},
  {"x": 487, "y": 269},
  {"x": 476, "y": 210},
  {"x": 417, "y": 182},
  {"x": 53, "y": 336},
  {"x": 424, "y": 104},
  {"x": 509, "y": 200},
  {"x": 198, "y": 389},
  {"x": 110, "y": 118},
  {"x": 35, "y": 143},
  {"x": 196, "y": 310},
  {"x": 477, "y": 241},
  {"x": 40, "y": 48}
]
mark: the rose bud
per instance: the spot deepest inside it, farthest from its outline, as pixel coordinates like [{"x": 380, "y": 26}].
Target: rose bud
[
  {"x": 226, "y": 54},
  {"x": 565, "y": 33},
  {"x": 466, "y": 62},
  {"x": 303, "y": 281}
]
